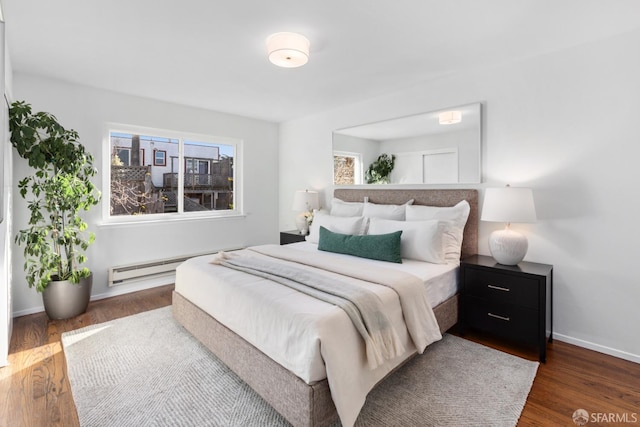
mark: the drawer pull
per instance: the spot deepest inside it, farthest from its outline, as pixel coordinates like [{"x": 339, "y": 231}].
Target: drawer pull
[
  {"x": 499, "y": 317},
  {"x": 498, "y": 288}
]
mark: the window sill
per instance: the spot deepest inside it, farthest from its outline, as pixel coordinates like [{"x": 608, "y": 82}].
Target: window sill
[{"x": 165, "y": 219}]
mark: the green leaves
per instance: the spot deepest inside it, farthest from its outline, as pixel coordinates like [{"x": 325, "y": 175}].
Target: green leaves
[
  {"x": 379, "y": 170},
  {"x": 59, "y": 189}
]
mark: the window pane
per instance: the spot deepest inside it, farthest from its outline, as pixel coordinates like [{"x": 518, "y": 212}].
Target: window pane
[
  {"x": 123, "y": 156},
  {"x": 160, "y": 158},
  {"x": 138, "y": 188},
  {"x": 208, "y": 178}
]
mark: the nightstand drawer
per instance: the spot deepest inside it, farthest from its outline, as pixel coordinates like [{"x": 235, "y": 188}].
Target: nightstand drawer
[
  {"x": 502, "y": 319},
  {"x": 502, "y": 288}
]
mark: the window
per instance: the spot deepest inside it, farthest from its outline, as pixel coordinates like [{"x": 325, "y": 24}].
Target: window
[
  {"x": 159, "y": 158},
  {"x": 347, "y": 168},
  {"x": 123, "y": 155},
  {"x": 189, "y": 175},
  {"x": 197, "y": 171}
]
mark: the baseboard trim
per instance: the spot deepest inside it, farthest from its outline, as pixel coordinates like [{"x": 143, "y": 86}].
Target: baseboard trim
[
  {"x": 597, "y": 347},
  {"x": 141, "y": 286},
  {"x": 27, "y": 311},
  {"x": 112, "y": 292}
]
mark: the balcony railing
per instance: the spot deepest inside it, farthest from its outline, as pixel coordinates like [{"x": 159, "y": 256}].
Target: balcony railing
[{"x": 198, "y": 181}]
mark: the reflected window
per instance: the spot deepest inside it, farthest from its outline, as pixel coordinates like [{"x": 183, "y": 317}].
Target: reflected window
[{"x": 347, "y": 168}]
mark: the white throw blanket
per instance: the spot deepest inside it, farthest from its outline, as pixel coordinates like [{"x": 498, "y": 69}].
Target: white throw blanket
[
  {"x": 418, "y": 315},
  {"x": 363, "y": 307}
]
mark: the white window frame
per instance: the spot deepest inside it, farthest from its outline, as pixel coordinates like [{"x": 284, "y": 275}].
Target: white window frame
[{"x": 237, "y": 143}]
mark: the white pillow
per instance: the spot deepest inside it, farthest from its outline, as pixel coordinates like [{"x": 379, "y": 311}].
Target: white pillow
[
  {"x": 394, "y": 212},
  {"x": 341, "y": 208},
  {"x": 420, "y": 240},
  {"x": 456, "y": 218},
  {"x": 337, "y": 224}
]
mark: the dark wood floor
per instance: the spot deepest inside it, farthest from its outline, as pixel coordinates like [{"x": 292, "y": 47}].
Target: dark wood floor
[
  {"x": 37, "y": 390},
  {"x": 575, "y": 378}
]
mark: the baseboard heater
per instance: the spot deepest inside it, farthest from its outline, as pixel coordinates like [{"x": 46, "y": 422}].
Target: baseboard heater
[{"x": 124, "y": 274}]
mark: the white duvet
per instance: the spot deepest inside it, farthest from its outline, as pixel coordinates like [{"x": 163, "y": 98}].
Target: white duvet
[{"x": 311, "y": 338}]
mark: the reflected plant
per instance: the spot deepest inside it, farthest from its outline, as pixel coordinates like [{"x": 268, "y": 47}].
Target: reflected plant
[{"x": 379, "y": 171}]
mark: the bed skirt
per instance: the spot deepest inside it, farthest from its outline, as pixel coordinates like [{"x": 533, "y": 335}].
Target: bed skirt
[{"x": 300, "y": 403}]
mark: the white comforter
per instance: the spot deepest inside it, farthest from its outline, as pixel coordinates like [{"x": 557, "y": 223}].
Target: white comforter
[{"x": 311, "y": 338}]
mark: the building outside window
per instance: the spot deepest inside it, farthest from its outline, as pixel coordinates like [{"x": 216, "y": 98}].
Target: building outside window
[{"x": 186, "y": 175}]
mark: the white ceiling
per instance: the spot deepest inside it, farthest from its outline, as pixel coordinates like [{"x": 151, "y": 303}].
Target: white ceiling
[{"x": 211, "y": 53}]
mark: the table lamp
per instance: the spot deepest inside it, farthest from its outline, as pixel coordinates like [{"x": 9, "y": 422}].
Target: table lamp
[
  {"x": 304, "y": 202},
  {"x": 510, "y": 205}
]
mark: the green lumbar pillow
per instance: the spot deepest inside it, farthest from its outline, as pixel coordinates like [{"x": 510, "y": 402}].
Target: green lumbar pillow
[{"x": 383, "y": 247}]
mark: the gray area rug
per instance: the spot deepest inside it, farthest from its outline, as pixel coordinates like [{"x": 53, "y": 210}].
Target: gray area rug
[{"x": 146, "y": 370}]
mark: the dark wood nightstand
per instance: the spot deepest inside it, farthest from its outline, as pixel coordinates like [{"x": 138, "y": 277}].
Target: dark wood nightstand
[
  {"x": 511, "y": 301},
  {"x": 291, "y": 236}
]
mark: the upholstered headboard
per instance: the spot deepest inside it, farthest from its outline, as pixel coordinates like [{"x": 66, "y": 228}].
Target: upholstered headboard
[{"x": 423, "y": 197}]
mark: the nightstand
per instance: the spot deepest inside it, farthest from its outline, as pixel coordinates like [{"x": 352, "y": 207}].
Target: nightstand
[
  {"x": 292, "y": 236},
  {"x": 510, "y": 301}
]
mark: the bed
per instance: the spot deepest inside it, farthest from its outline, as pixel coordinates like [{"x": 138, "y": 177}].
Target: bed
[{"x": 304, "y": 397}]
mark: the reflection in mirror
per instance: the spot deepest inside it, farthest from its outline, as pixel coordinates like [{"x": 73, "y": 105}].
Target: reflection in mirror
[
  {"x": 439, "y": 147},
  {"x": 347, "y": 167}
]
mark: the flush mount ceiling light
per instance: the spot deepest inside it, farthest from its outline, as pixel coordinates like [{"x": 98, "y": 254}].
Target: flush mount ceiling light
[
  {"x": 450, "y": 117},
  {"x": 288, "y": 50}
]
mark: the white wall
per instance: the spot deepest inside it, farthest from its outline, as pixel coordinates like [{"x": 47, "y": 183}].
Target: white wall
[
  {"x": 564, "y": 124},
  {"x": 87, "y": 110}
]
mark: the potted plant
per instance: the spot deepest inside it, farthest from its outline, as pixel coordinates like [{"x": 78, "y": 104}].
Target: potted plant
[
  {"x": 379, "y": 170},
  {"x": 57, "y": 192}
]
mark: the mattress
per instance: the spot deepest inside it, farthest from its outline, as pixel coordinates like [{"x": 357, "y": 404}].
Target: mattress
[
  {"x": 302, "y": 333},
  {"x": 440, "y": 280}
]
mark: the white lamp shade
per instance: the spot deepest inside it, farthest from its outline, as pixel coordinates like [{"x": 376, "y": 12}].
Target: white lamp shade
[
  {"x": 288, "y": 50},
  {"x": 508, "y": 204},
  {"x": 450, "y": 117},
  {"x": 305, "y": 201}
]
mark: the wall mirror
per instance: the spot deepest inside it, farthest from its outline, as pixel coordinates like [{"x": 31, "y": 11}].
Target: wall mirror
[{"x": 438, "y": 147}]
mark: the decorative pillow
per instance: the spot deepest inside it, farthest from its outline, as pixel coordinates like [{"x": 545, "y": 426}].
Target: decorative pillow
[
  {"x": 421, "y": 240},
  {"x": 382, "y": 247},
  {"x": 395, "y": 212},
  {"x": 456, "y": 218},
  {"x": 337, "y": 224},
  {"x": 341, "y": 208}
]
